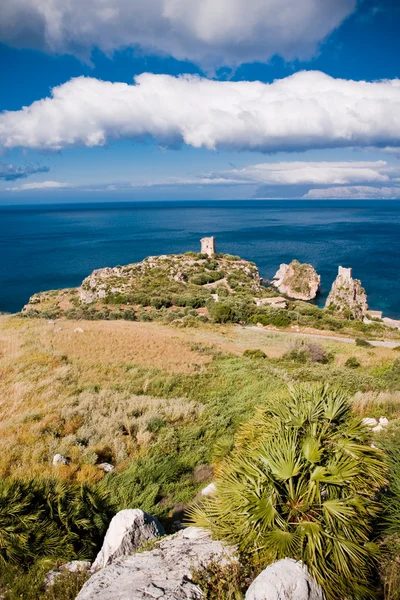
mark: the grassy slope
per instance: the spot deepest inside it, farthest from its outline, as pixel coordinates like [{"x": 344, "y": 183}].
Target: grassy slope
[{"x": 157, "y": 401}]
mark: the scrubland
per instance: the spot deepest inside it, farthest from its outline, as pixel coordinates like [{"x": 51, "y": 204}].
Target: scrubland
[{"x": 159, "y": 402}]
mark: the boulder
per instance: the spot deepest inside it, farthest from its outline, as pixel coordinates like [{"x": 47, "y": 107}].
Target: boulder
[
  {"x": 297, "y": 281},
  {"x": 106, "y": 467},
  {"x": 285, "y": 580},
  {"x": 347, "y": 295},
  {"x": 129, "y": 529},
  {"x": 59, "y": 459},
  {"x": 163, "y": 573}
]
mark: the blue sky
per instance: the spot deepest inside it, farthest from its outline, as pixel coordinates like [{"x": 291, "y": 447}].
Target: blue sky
[{"x": 199, "y": 125}]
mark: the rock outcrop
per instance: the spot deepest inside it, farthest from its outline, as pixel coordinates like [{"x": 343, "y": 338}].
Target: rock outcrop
[
  {"x": 347, "y": 295},
  {"x": 285, "y": 580},
  {"x": 181, "y": 268},
  {"x": 297, "y": 281},
  {"x": 163, "y": 573},
  {"x": 128, "y": 530}
]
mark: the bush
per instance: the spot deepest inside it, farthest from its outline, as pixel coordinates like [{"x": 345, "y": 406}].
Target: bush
[
  {"x": 275, "y": 317},
  {"x": 224, "y": 581},
  {"x": 352, "y": 362},
  {"x": 220, "y": 312},
  {"x": 254, "y": 353},
  {"x": 17, "y": 584},
  {"x": 41, "y": 518},
  {"x": 302, "y": 483},
  {"x": 304, "y": 351},
  {"x": 363, "y": 343}
]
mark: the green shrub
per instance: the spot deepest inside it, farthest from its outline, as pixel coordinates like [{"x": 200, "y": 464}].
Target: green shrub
[
  {"x": 302, "y": 483},
  {"x": 352, "y": 362},
  {"x": 304, "y": 350},
  {"x": 40, "y": 518},
  {"x": 363, "y": 343},
  {"x": 257, "y": 353},
  {"x": 224, "y": 581},
  {"x": 220, "y": 312},
  {"x": 17, "y": 584}
]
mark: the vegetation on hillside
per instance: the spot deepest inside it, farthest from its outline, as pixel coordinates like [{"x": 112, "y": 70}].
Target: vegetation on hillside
[{"x": 162, "y": 404}]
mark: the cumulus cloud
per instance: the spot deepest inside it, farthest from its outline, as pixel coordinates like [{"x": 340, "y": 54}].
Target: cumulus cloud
[
  {"x": 209, "y": 32},
  {"x": 38, "y": 185},
  {"x": 306, "y": 110},
  {"x": 9, "y": 172},
  {"x": 356, "y": 192},
  {"x": 314, "y": 173}
]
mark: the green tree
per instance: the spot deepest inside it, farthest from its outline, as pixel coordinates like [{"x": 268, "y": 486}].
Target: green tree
[{"x": 301, "y": 483}]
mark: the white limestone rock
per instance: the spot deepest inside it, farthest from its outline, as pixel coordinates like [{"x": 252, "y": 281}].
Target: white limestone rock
[
  {"x": 128, "y": 530},
  {"x": 347, "y": 294},
  {"x": 297, "y": 281},
  {"x": 209, "y": 490},
  {"x": 370, "y": 422},
  {"x": 285, "y": 580},
  {"x": 59, "y": 459},
  {"x": 163, "y": 573},
  {"x": 106, "y": 467}
]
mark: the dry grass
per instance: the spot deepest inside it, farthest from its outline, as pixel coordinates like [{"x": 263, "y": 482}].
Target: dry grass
[{"x": 86, "y": 395}]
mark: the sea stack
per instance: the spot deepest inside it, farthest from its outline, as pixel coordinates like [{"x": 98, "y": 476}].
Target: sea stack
[
  {"x": 347, "y": 295},
  {"x": 297, "y": 281}
]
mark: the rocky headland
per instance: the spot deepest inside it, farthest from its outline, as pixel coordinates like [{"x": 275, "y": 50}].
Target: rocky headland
[
  {"x": 296, "y": 280},
  {"x": 347, "y": 295}
]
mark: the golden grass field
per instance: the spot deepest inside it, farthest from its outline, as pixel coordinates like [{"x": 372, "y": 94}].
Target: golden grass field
[{"x": 85, "y": 393}]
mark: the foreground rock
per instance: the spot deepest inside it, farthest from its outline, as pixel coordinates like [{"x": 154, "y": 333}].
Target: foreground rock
[
  {"x": 128, "y": 530},
  {"x": 163, "y": 573},
  {"x": 298, "y": 281},
  {"x": 285, "y": 580},
  {"x": 347, "y": 295}
]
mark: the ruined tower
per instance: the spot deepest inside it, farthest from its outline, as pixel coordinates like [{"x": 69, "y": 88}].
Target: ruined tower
[
  {"x": 208, "y": 245},
  {"x": 346, "y": 273}
]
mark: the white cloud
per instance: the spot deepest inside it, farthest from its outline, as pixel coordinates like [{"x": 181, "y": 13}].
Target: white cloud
[
  {"x": 209, "y": 32},
  {"x": 306, "y": 110},
  {"x": 356, "y": 192},
  {"x": 315, "y": 173},
  {"x": 38, "y": 185}
]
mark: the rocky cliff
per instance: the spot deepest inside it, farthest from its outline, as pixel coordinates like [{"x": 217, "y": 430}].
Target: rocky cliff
[
  {"x": 347, "y": 295},
  {"x": 297, "y": 281}
]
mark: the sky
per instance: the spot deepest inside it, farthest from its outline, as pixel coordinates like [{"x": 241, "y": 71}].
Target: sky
[{"x": 182, "y": 99}]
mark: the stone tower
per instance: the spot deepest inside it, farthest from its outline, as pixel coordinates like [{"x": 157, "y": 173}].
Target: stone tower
[
  {"x": 208, "y": 245},
  {"x": 346, "y": 273}
]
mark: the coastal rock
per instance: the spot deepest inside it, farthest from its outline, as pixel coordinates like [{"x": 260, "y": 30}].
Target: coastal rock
[
  {"x": 347, "y": 295},
  {"x": 128, "y": 280},
  {"x": 163, "y": 573},
  {"x": 297, "y": 281},
  {"x": 128, "y": 530},
  {"x": 285, "y": 580}
]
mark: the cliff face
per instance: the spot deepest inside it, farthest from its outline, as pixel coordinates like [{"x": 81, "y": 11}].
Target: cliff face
[
  {"x": 347, "y": 295},
  {"x": 298, "y": 281}
]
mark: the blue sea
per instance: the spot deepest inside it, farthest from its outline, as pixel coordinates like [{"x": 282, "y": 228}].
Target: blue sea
[{"x": 49, "y": 246}]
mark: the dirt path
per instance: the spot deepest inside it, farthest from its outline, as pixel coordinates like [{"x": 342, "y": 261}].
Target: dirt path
[{"x": 382, "y": 344}]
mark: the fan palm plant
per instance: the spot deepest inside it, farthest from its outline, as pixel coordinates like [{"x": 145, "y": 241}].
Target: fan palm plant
[
  {"x": 41, "y": 518},
  {"x": 301, "y": 483}
]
